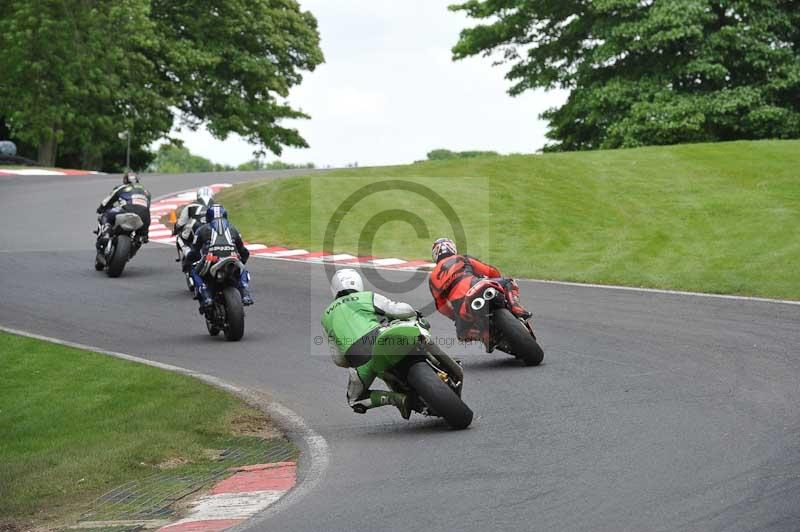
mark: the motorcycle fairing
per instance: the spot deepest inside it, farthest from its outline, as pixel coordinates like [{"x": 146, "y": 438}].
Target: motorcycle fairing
[
  {"x": 223, "y": 262},
  {"x": 128, "y": 221}
]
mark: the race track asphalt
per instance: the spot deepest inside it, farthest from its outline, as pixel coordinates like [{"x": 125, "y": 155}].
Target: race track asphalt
[{"x": 650, "y": 412}]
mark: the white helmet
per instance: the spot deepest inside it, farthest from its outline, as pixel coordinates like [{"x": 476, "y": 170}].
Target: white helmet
[
  {"x": 347, "y": 279},
  {"x": 205, "y": 196}
]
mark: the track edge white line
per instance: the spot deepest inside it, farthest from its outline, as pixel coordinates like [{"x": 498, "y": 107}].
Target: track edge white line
[{"x": 664, "y": 291}]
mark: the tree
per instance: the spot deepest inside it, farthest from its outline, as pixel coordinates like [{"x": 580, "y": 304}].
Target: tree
[
  {"x": 234, "y": 63},
  {"x": 177, "y": 159},
  {"x": 67, "y": 79},
  {"x": 74, "y": 73},
  {"x": 649, "y": 71}
]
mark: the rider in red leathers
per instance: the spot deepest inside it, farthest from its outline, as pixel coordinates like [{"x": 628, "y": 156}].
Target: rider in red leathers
[{"x": 452, "y": 278}]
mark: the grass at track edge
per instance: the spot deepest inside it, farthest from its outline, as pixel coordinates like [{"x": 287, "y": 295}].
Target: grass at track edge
[
  {"x": 77, "y": 424},
  {"x": 714, "y": 218}
]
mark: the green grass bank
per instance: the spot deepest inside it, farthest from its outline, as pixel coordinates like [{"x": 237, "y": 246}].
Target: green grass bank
[
  {"x": 76, "y": 424},
  {"x": 716, "y": 218}
]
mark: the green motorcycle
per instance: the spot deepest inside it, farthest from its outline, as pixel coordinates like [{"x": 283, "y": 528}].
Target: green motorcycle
[{"x": 417, "y": 367}]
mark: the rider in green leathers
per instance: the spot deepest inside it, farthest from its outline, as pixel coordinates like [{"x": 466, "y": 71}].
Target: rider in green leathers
[{"x": 353, "y": 322}]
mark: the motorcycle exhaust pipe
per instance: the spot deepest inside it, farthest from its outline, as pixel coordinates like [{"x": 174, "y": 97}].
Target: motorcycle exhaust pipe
[
  {"x": 478, "y": 303},
  {"x": 489, "y": 293}
]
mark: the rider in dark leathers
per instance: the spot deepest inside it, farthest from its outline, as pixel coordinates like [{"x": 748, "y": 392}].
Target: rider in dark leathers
[
  {"x": 218, "y": 228},
  {"x": 192, "y": 217},
  {"x": 130, "y": 196}
]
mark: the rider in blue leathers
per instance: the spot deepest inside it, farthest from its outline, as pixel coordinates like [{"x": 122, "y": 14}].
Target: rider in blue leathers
[{"x": 219, "y": 228}]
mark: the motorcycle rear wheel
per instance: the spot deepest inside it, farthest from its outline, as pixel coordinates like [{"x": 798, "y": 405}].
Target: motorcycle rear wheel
[
  {"x": 119, "y": 257},
  {"x": 439, "y": 396},
  {"x": 519, "y": 339},
  {"x": 234, "y": 310}
]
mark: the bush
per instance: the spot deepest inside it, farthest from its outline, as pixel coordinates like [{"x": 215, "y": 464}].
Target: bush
[
  {"x": 176, "y": 159},
  {"x": 258, "y": 164},
  {"x": 442, "y": 154}
]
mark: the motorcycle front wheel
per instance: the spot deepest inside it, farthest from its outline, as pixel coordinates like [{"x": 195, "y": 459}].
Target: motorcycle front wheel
[
  {"x": 119, "y": 256},
  {"x": 439, "y": 396}
]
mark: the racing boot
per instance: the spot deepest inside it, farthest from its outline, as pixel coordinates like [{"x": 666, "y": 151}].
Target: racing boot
[
  {"x": 204, "y": 297},
  {"x": 377, "y": 398},
  {"x": 244, "y": 288},
  {"x": 400, "y": 400},
  {"x": 247, "y": 299},
  {"x": 516, "y": 308}
]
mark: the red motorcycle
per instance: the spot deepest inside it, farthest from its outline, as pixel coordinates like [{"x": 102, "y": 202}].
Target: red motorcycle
[{"x": 487, "y": 310}]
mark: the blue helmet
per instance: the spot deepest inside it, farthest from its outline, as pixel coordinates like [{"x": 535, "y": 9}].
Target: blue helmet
[{"x": 216, "y": 212}]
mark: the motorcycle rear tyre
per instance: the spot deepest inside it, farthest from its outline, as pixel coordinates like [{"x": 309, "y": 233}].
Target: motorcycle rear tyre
[
  {"x": 122, "y": 251},
  {"x": 234, "y": 310},
  {"x": 523, "y": 345},
  {"x": 439, "y": 396}
]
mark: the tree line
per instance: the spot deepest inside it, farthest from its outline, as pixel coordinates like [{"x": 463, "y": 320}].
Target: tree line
[
  {"x": 76, "y": 73},
  {"x": 176, "y": 158},
  {"x": 643, "y": 72}
]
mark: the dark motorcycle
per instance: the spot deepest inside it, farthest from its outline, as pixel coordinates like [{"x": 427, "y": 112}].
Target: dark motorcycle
[
  {"x": 221, "y": 275},
  {"x": 487, "y": 308},
  {"x": 123, "y": 243},
  {"x": 432, "y": 380}
]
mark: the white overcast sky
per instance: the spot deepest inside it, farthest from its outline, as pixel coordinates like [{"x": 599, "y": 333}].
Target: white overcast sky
[{"x": 389, "y": 92}]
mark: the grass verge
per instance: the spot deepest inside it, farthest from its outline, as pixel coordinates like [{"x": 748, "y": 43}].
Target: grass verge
[
  {"x": 716, "y": 218},
  {"x": 77, "y": 424}
]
